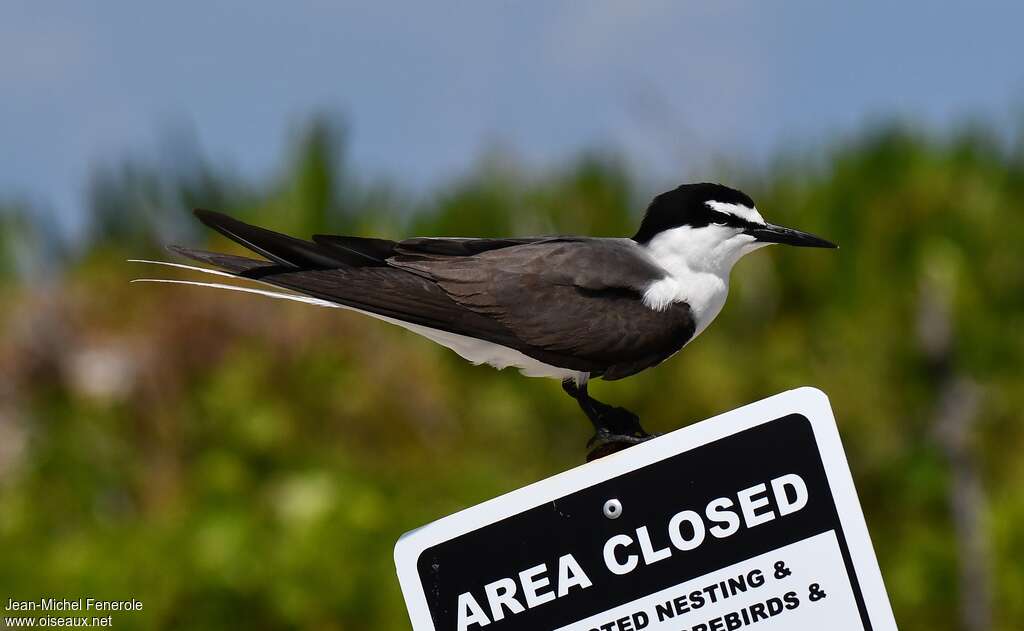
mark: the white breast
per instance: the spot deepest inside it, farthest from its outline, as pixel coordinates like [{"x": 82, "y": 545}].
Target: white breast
[
  {"x": 705, "y": 293},
  {"x": 697, "y": 263}
]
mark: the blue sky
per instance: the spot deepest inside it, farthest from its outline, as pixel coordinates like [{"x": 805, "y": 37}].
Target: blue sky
[{"x": 425, "y": 87}]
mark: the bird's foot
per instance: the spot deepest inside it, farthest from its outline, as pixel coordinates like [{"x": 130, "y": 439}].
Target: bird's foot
[{"x": 619, "y": 429}]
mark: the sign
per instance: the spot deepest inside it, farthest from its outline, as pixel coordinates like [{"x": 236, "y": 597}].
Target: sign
[{"x": 748, "y": 521}]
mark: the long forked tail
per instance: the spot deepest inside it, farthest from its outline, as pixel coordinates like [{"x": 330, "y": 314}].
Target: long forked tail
[
  {"x": 283, "y": 254},
  {"x": 346, "y": 272}
]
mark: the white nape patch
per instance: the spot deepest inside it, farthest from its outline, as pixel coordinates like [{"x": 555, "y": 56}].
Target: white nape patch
[
  {"x": 469, "y": 348},
  {"x": 697, "y": 263},
  {"x": 739, "y": 210}
]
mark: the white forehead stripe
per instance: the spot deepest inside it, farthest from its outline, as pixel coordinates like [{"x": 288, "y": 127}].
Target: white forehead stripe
[{"x": 741, "y": 211}]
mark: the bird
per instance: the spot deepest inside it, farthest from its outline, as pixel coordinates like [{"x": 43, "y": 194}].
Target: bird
[{"x": 571, "y": 308}]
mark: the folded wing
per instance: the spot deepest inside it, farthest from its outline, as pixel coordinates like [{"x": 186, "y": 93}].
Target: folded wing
[{"x": 575, "y": 296}]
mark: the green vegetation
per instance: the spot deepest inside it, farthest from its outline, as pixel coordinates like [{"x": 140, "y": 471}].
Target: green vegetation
[{"x": 234, "y": 462}]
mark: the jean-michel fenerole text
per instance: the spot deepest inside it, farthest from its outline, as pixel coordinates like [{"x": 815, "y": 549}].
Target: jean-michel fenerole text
[{"x": 79, "y": 604}]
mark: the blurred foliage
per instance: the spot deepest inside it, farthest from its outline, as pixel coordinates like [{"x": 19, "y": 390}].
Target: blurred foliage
[{"x": 233, "y": 462}]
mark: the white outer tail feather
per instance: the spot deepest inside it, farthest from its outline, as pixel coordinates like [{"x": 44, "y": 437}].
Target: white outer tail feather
[
  {"x": 247, "y": 290},
  {"x": 216, "y": 272},
  {"x": 205, "y": 270}
]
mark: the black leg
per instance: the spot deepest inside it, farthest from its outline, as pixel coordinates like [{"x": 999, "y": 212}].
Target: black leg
[{"x": 615, "y": 428}]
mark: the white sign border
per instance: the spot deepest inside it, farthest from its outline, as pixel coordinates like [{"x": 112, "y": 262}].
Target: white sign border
[{"x": 810, "y": 402}]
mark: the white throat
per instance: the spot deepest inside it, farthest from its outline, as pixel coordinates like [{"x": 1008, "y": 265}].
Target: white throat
[{"x": 697, "y": 262}]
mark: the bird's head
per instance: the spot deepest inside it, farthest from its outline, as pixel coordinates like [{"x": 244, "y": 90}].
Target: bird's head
[{"x": 713, "y": 224}]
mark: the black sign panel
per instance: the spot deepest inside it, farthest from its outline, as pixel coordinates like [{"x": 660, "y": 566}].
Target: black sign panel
[{"x": 704, "y": 530}]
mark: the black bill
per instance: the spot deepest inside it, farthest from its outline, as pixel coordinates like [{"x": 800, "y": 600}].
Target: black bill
[{"x": 770, "y": 233}]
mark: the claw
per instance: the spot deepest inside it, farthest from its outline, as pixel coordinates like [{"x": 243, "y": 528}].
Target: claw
[{"x": 605, "y": 443}]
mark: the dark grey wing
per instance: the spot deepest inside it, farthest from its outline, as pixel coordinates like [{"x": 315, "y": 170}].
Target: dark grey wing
[
  {"x": 366, "y": 250},
  {"x": 377, "y": 251},
  {"x": 462, "y": 246},
  {"x": 581, "y": 297}
]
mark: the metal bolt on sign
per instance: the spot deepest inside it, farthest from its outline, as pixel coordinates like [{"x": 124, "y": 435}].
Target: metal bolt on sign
[{"x": 613, "y": 509}]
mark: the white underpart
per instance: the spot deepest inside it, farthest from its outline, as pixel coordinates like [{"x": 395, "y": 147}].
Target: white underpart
[
  {"x": 469, "y": 348},
  {"x": 697, "y": 262}
]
